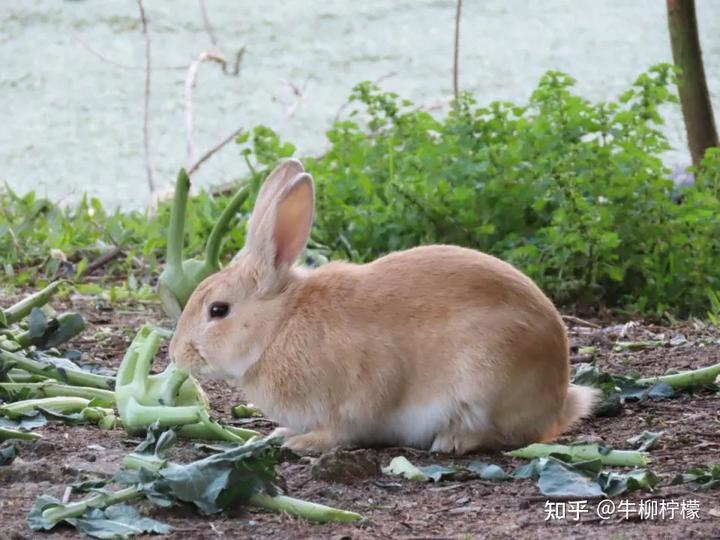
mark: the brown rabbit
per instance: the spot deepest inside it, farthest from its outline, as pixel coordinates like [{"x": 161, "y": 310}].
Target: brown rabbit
[{"x": 437, "y": 347}]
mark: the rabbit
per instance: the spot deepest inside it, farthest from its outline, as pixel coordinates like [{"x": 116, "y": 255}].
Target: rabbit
[{"x": 437, "y": 347}]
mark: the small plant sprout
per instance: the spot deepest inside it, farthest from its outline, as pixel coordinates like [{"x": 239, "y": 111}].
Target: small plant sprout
[
  {"x": 179, "y": 278},
  {"x": 171, "y": 398}
]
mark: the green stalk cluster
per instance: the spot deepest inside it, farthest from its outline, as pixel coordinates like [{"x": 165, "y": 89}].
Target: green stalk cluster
[
  {"x": 172, "y": 397},
  {"x": 179, "y": 278}
]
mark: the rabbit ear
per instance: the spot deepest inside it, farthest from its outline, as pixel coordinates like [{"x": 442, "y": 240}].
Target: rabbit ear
[
  {"x": 283, "y": 231},
  {"x": 273, "y": 185}
]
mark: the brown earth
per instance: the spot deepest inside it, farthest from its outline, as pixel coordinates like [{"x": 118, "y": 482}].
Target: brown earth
[{"x": 398, "y": 508}]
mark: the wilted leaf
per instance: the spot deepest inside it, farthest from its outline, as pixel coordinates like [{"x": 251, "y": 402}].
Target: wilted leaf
[
  {"x": 488, "y": 471},
  {"x": 35, "y": 519},
  {"x": 118, "y": 521},
  {"x": 560, "y": 479},
  {"x": 221, "y": 480},
  {"x": 58, "y": 331},
  {"x": 698, "y": 479},
  {"x": 8, "y": 455},
  {"x": 25, "y": 422},
  {"x": 38, "y": 323},
  {"x": 401, "y": 466},
  {"x": 438, "y": 472},
  {"x": 615, "y": 484},
  {"x": 88, "y": 485},
  {"x": 645, "y": 440}
]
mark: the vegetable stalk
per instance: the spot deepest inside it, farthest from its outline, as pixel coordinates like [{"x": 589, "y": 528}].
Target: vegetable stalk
[
  {"x": 54, "y": 389},
  {"x": 583, "y": 452},
  {"x": 304, "y": 509},
  {"x": 61, "y": 404},
  {"x": 71, "y": 376},
  {"x": 7, "y": 434},
  {"x": 685, "y": 379},
  {"x": 23, "y": 308},
  {"x": 56, "y": 514},
  {"x": 72, "y": 324}
]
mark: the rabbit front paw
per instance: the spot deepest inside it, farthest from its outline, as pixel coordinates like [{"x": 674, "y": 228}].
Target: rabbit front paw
[
  {"x": 281, "y": 432},
  {"x": 313, "y": 441}
]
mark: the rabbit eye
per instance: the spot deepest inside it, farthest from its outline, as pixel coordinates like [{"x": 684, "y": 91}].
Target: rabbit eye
[{"x": 218, "y": 310}]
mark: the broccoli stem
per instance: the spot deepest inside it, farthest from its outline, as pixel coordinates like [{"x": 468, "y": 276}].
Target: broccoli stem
[
  {"x": 173, "y": 256},
  {"x": 582, "y": 452},
  {"x": 215, "y": 432},
  {"x": 304, "y": 509},
  {"x": 72, "y": 321},
  {"x": 53, "y": 389},
  {"x": 212, "y": 248},
  {"x": 208, "y": 429},
  {"x": 20, "y": 376},
  {"x": 138, "y": 417},
  {"x": 245, "y": 411},
  {"x": 7, "y": 434},
  {"x": 134, "y": 461},
  {"x": 71, "y": 376},
  {"x": 176, "y": 378},
  {"x": 56, "y": 514},
  {"x": 278, "y": 503},
  {"x": 685, "y": 379},
  {"x": 62, "y": 404},
  {"x": 23, "y": 308}
]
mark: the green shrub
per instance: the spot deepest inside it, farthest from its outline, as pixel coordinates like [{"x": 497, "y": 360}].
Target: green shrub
[{"x": 574, "y": 193}]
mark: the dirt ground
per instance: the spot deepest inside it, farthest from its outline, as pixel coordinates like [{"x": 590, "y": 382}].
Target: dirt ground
[{"x": 399, "y": 508}]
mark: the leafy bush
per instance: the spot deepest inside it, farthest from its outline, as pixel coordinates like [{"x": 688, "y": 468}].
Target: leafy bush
[{"x": 574, "y": 193}]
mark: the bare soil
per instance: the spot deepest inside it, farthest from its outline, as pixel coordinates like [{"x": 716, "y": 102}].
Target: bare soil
[{"x": 398, "y": 508}]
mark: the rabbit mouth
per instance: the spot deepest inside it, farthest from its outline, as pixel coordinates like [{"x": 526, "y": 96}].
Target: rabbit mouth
[{"x": 195, "y": 361}]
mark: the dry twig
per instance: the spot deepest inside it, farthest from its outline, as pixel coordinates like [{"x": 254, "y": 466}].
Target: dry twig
[
  {"x": 213, "y": 150},
  {"x": 580, "y": 322},
  {"x": 208, "y": 26},
  {"x": 146, "y": 114},
  {"x": 456, "y": 60},
  {"x": 190, "y": 84}
]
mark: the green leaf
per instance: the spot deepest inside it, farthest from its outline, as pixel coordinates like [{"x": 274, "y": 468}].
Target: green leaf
[
  {"x": 560, "y": 479},
  {"x": 8, "y": 455},
  {"x": 38, "y": 323},
  {"x": 489, "y": 471},
  {"x": 60, "y": 330},
  {"x": 438, "y": 472},
  {"x": 117, "y": 521},
  {"x": 224, "y": 479},
  {"x": 35, "y": 519},
  {"x": 25, "y": 422},
  {"x": 699, "y": 479}
]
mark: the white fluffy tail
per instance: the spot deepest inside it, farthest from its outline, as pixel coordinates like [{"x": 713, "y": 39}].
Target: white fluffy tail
[{"x": 579, "y": 402}]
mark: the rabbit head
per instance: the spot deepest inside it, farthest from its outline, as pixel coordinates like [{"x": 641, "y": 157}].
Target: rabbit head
[{"x": 230, "y": 318}]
